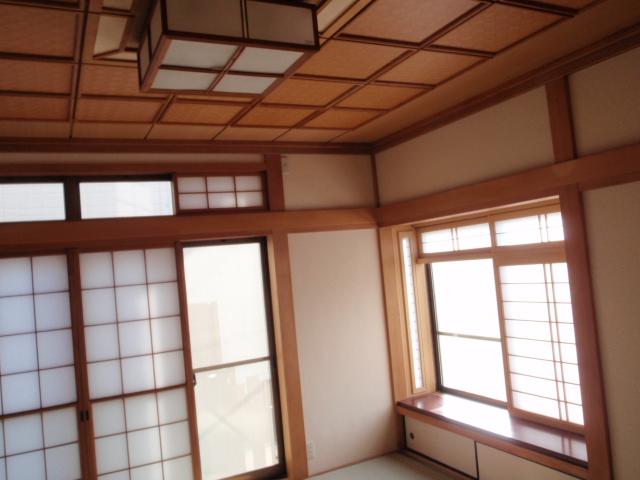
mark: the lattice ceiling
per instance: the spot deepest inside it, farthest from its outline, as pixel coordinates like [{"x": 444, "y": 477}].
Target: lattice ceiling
[{"x": 68, "y": 69}]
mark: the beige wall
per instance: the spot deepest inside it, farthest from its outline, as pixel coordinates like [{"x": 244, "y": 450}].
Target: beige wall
[
  {"x": 606, "y": 103},
  {"x": 613, "y": 225},
  {"x": 346, "y": 384},
  {"x": 328, "y": 181},
  {"x": 509, "y": 137}
]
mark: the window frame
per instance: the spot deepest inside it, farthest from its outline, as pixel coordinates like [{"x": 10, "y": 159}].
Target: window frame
[{"x": 542, "y": 252}]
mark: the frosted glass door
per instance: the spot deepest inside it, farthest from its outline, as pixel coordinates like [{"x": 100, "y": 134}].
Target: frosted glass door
[
  {"x": 232, "y": 359},
  {"x": 37, "y": 371}
]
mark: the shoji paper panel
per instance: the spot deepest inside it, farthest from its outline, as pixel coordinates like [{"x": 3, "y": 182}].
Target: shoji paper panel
[
  {"x": 132, "y": 324},
  {"x": 40, "y": 446},
  {"x": 36, "y": 346},
  {"x": 143, "y": 437}
]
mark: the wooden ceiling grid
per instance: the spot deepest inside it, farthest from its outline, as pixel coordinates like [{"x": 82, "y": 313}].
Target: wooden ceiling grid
[{"x": 375, "y": 57}]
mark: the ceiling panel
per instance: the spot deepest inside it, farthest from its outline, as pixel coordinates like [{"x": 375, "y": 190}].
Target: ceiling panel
[
  {"x": 34, "y": 107},
  {"x": 24, "y": 129},
  {"x": 275, "y": 116},
  {"x": 407, "y": 20},
  {"x": 218, "y": 98},
  {"x": 200, "y": 113},
  {"x": 117, "y": 109},
  {"x": 577, "y": 4},
  {"x": 183, "y": 132},
  {"x": 40, "y": 77},
  {"x": 250, "y": 134},
  {"x": 354, "y": 60},
  {"x": 108, "y": 80},
  {"x": 307, "y": 92},
  {"x": 132, "y": 131},
  {"x": 429, "y": 67},
  {"x": 380, "y": 96},
  {"x": 310, "y": 135},
  {"x": 497, "y": 27},
  {"x": 37, "y": 31},
  {"x": 342, "y": 119}
]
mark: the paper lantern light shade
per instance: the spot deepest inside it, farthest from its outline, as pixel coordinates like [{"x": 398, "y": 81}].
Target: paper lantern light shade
[{"x": 231, "y": 46}]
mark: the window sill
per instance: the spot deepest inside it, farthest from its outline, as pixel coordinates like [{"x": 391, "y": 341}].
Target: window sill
[{"x": 484, "y": 422}]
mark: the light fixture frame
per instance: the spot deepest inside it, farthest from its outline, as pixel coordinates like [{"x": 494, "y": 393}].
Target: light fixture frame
[{"x": 157, "y": 56}]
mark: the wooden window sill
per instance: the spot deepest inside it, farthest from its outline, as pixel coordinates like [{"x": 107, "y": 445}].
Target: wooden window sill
[{"x": 482, "y": 422}]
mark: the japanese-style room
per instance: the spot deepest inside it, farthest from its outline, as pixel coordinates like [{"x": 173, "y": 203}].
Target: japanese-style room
[{"x": 326, "y": 239}]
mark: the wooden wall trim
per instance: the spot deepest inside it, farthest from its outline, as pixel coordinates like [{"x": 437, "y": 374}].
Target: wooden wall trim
[
  {"x": 607, "y": 47},
  {"x": 275, "y": 182},
  {"x": 158, "y": 146},
  {"x": 96, "y": 169},
  {"x": 586, "y": 329},
  {"x": 561, "y": 119},
  {"x": 592, "y": 171},
  {"x": 108, "y": 233},
  {"x": 295, "y": 442}
]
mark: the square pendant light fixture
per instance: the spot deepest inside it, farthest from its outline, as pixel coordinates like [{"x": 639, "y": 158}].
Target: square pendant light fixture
[{"x": 224, "y": 46}]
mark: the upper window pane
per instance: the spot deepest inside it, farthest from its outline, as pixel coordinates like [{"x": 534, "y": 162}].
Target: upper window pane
[
  {"x": 532, "y": 229},
  {"x": 466, "y": 237},
  {"x": 126, "y": 199},
  {"x": 28, "y": 202}
]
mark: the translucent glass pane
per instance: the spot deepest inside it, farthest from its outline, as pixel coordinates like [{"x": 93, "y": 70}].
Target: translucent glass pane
[
  {"x": 105, "y": 379},
  {"x": 1, "y": 440},
  {"x": 169, "y": 369},
  {"x": 60, "y": 427},
  {"x": 111, "y": 453},
  {"x": 249, "y": 199},
  {"x": 533, "y": 273},
  {"x": 144, "y": 446},
  {"x": 414, "y": 332},
  {"x": 539, "y": 405},
  {"x": 108, "y": 417},
  {"x": 191, "y": 185},
  {"x": 135, "y": 338},
  {"x": 183, "y": 80},
  {"x": 530, "y": 348},
  {"x": 137, "y": 374},
  {"x": 220, "y": 184},
  {"x": 572, "y": 393},
  {"x": 161, "y": 265},
  {"x": 55, "y": 349},
  {"x": 99, "y": 306},
  {"x": 58, "y": 386},
  {"x": 236, "y": 425},
  {"x": 533, "y": 367},
  {"x": 18, "y": 353},
  {"x": 175, "y": 440},
  {"x": 575, "y": 414},
  {"x": 129, "y": 267},
  {"x": 164, "y": 300},
  {"x": 101, "y": 342},
  {"x": 535, "y": 386},
  {"x": 524, "y": 292},
  {"x": 15, "y": 277},
  {"x": 225, "y": 294},
  {"x": 192, "y": 201},
  {"x": 147, "y": 472},
  {"x": 243, "y": 84},
  {"x": 537, "y": 312},
  {"x": 52, "y": 311},
  {"x": 141, "y": 411},
  {"x": 3, "y": 470},
  {"x": 23, "y": 434},
  {"x": 437, "y": 241},
  {"x": 26, "y": 202},
  {"x": 126, "y": 199},
  {"x": 172, "y": 406},
  {"x": 248, "y": 183},
  {"x": 50, "y": 274},
  {"x": 473, "y": 366},
  {"x": 280, "y": 23},
  {"x": 96, "y": 270},
  {"x": 26, "y": 466},
  {"x": 63, "y": 463},
  {"x": 518, "y": 231},
  {"x": 178, "y": 469},
  {"x": 167, "y": 334},
  {"x": 198, "y": 54},
  {"x": 222, "y": 200},
  {"x": 132, "y": 303},
  {"x": 16, "y": 315},
  {"x": 465, "y": 297},
  {"x": 20, "y": 392},
  {"x": 124, "y": 475},
  {"x": 473, "y": 236},
  {"x": 265, "y": 60}
]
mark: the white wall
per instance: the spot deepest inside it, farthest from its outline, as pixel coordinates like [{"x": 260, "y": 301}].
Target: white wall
[
  {"x": 606, "y": 103},
  {"x": 507, "y": 138},
  {"x": 344, "y": 363},
  {"x": 613, "y": 228},
  {"x": 328, "y": 181}
]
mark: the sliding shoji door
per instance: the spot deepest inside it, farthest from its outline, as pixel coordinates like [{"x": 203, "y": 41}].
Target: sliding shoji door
[
  {"x": 135, "y": 365},
  {"x": 39, "y": 437}
]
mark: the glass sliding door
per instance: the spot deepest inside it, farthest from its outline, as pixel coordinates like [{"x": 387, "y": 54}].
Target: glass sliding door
[{"x": 230, "y": 329}]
